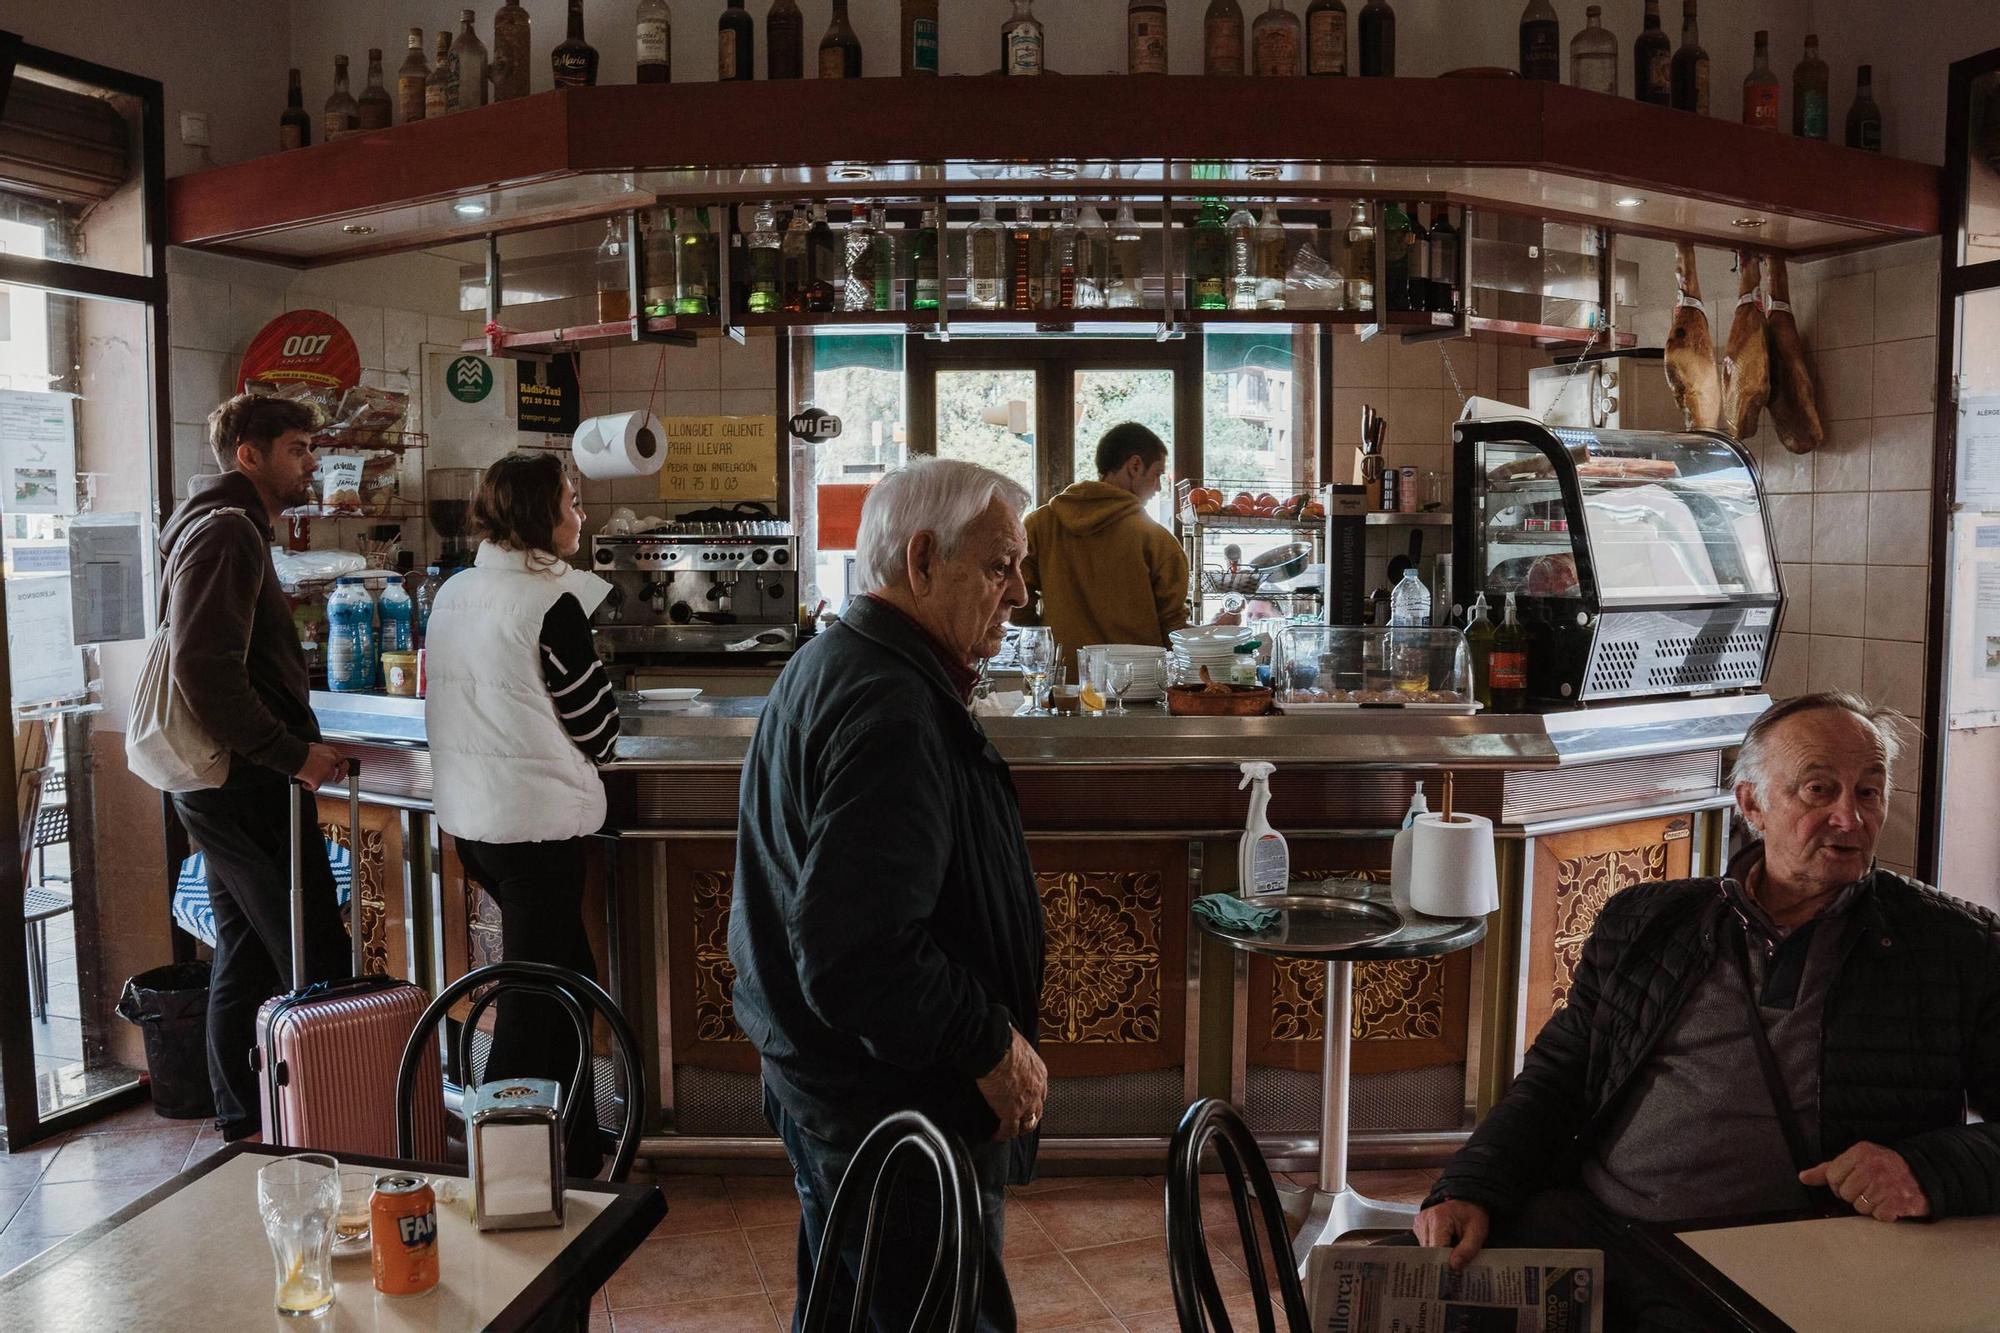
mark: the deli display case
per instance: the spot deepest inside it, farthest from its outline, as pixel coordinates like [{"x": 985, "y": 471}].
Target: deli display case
[{"x": 1640, "y": 561}]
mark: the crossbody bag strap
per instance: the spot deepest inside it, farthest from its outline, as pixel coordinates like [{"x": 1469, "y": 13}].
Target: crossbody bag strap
[{"x": 1774, "y": 1078}]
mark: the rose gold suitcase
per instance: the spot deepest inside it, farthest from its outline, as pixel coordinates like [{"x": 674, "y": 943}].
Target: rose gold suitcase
[{"x": 327, "y": 1053}]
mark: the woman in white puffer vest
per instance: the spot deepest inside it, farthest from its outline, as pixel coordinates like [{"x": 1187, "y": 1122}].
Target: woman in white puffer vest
[{"x": 519, "y": 712}]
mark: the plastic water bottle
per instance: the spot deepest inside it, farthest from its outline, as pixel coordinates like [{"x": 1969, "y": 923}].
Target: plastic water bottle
[
  {"x": 1409, "y": 633},
  {"x": 397, "y": 613},
  {"x": 427, "y": 592},
  {"x": 350, "y": 636},
  {"x": 1410, "y": 602}
]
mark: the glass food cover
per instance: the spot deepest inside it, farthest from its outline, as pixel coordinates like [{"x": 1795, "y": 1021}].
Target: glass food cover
[
  {"x": 1640, "y": 561},
  {"x": 1352, "y": 666}
]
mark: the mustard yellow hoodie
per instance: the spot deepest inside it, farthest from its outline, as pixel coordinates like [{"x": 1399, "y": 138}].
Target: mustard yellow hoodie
[{"x": 1104, "y": 571}]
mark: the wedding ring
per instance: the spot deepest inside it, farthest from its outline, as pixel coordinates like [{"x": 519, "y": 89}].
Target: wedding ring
[
  {"x": 1862, "y": 1200},
  {"x": 1030, "y": 1123}
]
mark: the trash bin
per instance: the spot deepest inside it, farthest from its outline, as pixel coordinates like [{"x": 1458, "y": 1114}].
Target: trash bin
[{"x": 170, "y": 1005}]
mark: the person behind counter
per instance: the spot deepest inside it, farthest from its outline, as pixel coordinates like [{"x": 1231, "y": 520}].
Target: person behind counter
[
  {"x": 237, "y": 661},
  {"x": 1099, "y": 569},
  {"x": 519, "y": 713},
  {"x": 886, "y": 931}
]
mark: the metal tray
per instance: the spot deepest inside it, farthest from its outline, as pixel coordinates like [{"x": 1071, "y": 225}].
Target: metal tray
[{"x": 1316, "y": 923}]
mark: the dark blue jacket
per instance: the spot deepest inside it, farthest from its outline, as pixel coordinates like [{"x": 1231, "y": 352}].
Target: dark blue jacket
[{"x": 886, "y": 930}]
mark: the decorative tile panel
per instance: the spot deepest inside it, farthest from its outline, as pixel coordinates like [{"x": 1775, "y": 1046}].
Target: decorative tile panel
[{"x": 1102, "y": 985}]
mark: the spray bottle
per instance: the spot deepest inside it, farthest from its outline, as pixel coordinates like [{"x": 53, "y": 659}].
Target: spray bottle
[
  {"x": 1399, "y": 852},
  {"x": 1263, "y": 862}
]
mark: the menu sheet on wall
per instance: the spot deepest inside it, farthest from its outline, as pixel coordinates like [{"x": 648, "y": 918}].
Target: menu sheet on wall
[{"x": 37, "y": 452}]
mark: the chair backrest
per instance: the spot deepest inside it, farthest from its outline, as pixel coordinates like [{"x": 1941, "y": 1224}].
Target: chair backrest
[
  {"x": 578, "y": 996},
  {"x": 1255, "y": 1200},
  {"x": 957, "y": 1261}
]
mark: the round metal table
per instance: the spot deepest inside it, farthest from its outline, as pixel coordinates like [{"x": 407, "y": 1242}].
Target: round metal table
[{"x": 1341, "y": 923}]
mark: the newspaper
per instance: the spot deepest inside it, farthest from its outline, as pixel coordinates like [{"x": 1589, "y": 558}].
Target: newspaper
[{"x": 1393, "y": 1289}]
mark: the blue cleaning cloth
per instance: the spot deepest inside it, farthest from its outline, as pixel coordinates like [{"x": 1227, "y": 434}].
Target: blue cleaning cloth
[{"x": 1231, "y": 912}]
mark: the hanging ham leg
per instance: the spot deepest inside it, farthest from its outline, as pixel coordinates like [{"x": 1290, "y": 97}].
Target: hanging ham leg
[
  {"x": 1794, "y": 389},
  {"x": 1691, "y": 351},
  {"x": 1746, "y": 359}
]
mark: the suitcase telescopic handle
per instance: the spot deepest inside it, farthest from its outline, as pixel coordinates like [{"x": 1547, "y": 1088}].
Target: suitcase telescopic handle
[{"x": 355, "y": 933}]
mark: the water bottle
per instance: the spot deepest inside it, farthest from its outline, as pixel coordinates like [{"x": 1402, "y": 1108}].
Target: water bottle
[
  {"x": 350, "y": 636},
  {"x": 427, "y": 592},
  {"x": 398, "y": 634},
  {"x": 1409, "y": 633}
]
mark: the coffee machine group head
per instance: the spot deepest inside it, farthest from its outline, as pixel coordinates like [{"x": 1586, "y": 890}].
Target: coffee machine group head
[{"x": 698, "y": 588}]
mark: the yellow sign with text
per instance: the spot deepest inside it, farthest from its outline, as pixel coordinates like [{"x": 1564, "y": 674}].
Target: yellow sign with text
[{"x": 720, "y": 458}]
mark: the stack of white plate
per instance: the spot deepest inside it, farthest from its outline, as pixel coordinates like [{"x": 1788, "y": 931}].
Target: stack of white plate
[
  {"x": 1211, "y": 646},
  {"x": 1149, "y": 676}
]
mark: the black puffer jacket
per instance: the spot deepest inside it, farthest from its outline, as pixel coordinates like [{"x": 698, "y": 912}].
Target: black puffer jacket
[{"x": 1911, "y": 1036}]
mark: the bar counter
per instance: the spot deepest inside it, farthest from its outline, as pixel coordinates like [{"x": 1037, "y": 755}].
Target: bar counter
[{"x": 1128, "y": 819}]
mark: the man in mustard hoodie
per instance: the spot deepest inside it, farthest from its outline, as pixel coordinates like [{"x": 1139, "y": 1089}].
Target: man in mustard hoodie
[{"x": 1099, "y": 569}]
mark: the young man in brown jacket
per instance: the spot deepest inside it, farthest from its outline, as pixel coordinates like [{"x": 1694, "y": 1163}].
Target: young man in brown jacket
[
  {"x": 237, "y": 661},
  {"x": 1099, "y": 569}
]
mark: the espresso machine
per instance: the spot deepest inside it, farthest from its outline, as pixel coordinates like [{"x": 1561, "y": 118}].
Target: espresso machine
[{"x": 698, "y": 588}]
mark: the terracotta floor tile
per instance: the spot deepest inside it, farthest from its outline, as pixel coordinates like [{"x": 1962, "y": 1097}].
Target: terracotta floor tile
[
  {"x": 776, "y": 1249},
  {"x": 1240, "y": 1305},
  {"x": 736, "y": 1314},
  {"x": 1100, "y": 1213},
  {"x": 1048, "y": 1294},
  {"x": 1131, "y": 1277},
  {"x": 110, "y": 1156},
  {"x": 58, "y": 1209},
  {"x": 762, "y": 1201},
  {"x": 1050, "y": 1184},
  {"x": 1025, "y": 1236},
  {"x": 784, "y": 1307},
  {"x": 600, "y": 1322},
  {"x": 673, "y": 1269},
  {"x": 695, "y": 1203},
  {"x": 1395, "y": 1186}
]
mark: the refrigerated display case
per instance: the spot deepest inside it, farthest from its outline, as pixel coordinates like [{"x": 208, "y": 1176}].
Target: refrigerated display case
[{"x": 1640, "y": 561}]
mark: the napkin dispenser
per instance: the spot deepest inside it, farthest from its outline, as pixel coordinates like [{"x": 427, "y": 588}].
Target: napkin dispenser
[{"x": 514, "y": 1153}]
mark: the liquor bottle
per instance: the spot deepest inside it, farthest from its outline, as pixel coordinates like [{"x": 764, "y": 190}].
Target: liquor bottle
[
  {"x": 763, "y": 296},
  {"x": 1208, "y": 258},
  {"x": 1242, "y": 226},
  {"x": 1326, "y": 37},
  {"x": 694, "y": 263},
  {"x": 794, "y": 262},
  {"x": 1444, "y": 243},
  {"x": 575, "y": 60},
  {"x": 1418, "y": 295},
  {"x": 1378, "y": 40},
  {"x": 1093, "y": 248},
  {"x": 926, "y": 285},
  {"x": 375, "y": 109},
  {"x": 1864, "y": 118},
  {"x": 823, "y": 256},
  {"x": 468, "y": 59},
  {"x": 1062, "y": 258},
  {"x": 342, "y": 116},
  {"x": 1222, "y": 38},
  {"x": 784, "y": 41},
  {"x": 295, "y": 127},
  {"x": 884, "y": 266},
  {"x": 1507, "y": 666},
  {"x": 410, "y": 80},
  {"x": 1761, "y": 89},
  {"x": 1275, "y": 41},
  {"x": 920, "y": 37},
  {"x": 1690, "y": 69},
  {"x": 655, "y": 33},
  {"x": 985, "y": 246},
  {"x": 1126, "y": 285},
  {"x": 840, "y": 49},
  {"x": 1357, "y": 267},
  {"x": 1809, "y": 93},
  {"x": 1270, "y": 260},
  {"x": 1399, "y": 241},
  {"x": 857, "y": 291},
  {"x": 511, "y": 68},
  {"x": 437, "y": 86},
  {"x": 1653, "y": 61},
  {"x": 659, "y": 273},
  {"x": 1024, "y": 269},
  {"x": 1593, "y": 54},
  {"x": 1479, "y": 647},
  {"x": 1541, "y": 42},
  {"x": 1146, "y": 36},
  {"x": 735, "y": 45},
  {"x": 614, "y": 292},
  {"x": 1021, "y": 41}
]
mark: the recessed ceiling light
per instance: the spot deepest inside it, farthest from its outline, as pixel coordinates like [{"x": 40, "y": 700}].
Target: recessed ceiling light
[
  {"x": 358, "y": 229},
  {"x": 852, "y": 174},
  {"x": 469, "y": 208},
  {"x": 1629, "y": 201},
  {"x": 1749, "y": 222},
  {"x": 1263, "y": 171}
]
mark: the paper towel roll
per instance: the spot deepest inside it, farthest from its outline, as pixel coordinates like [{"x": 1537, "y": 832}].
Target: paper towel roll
[
  {"x": 1452, "y": 870},
  {"x": 627, "y": 444}
]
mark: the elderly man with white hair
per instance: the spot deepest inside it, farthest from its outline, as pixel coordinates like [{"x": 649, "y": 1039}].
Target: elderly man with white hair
[
  {"x": 886, "y": 931},
  {"x": 1808, "y": 1029}
]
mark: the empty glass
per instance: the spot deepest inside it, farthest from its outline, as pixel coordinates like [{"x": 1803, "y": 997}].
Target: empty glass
[
  {"x": 1120, "y": 674},
  {"x": 357, "y": 1195},
  {"x": 299, "y": 1200},
  {"x": 1038, "y": 654}
]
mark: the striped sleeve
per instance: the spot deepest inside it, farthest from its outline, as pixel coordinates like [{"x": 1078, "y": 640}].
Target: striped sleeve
[{"x": 578, "y": 682}]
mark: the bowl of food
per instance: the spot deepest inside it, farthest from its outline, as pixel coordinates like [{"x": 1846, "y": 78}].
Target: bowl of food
[{"x": 1212, "y": 698}]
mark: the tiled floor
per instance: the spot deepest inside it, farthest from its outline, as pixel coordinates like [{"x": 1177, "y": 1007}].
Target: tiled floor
[{"x": 1085, "y": 1254}]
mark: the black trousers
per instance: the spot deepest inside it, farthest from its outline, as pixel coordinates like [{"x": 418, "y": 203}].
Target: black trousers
[
  {"x": 244, "y": 829},
  {"x": 539, "y": 886}
]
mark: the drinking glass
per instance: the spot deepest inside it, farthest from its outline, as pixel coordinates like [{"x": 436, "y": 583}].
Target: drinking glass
[
  {"x": 299, "y": 1200},
  {"x": 357, "y": 1194},
  {"x": 1119, "y": 677},
  {"x": 1037, "y": 653}
]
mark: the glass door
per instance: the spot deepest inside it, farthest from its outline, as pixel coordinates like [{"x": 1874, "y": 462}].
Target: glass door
[{"x": 990, "y": 415}]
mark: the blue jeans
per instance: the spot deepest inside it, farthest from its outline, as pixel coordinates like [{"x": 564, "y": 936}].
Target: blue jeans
[{"x": 909, "y": 1237}]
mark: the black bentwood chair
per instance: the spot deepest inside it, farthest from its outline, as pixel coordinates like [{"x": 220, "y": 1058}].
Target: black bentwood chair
[
  {"x": 951, "y": 1296},
  {"x": 579, "y": 997},
  {"x": 1196, "y": 1299}
]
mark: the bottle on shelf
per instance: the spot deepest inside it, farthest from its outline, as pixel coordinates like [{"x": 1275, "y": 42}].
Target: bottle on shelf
[
  {"x": 1444, "y": 242},
  {"x": 764, "y": 295},
  {"x": 574, "y": 60},
  {"x": 985, "y": 246},
  {"x": 1378, "y": 40},
  {"x": 884, "y": 265},
  {"x": 1541, "y": 42},
  {"x": 926, "y": 279},
  {"x": 1507, "y": 665},
  {"x": 437, "y": 87},
  {"x": 1125, "y": 287},
  {"x": 1093, "y": 245},
  {"x": 1418, "y": 295},
  {"x": 1021, "y": 40},
  {"x": 1761, "y": 90},
  {"x": 341, "y": 116},
  {"x": 1864, "y": 118},
  {"x": 1146, "y": 36},
  {"x": 919, "y": 36},
  {"x": 1024, "y": 269},
  {"x": 294, "y": 125},
  {"x": 511, "y": 58},
  {"x": 1809, "y": 93},
  {"x": 1062, "y": 258},
  {"x": 1222, "y": 38},
  {"x": 1242, "y": 227},
  {"x": 375, "y": 110},
  {"x": 1399, "y": 242},
  {"x": 1270, "y": 260},
  {"x": 468, "y": 60},
  {"x": 1479, "y": 647},
  {"x": 655, "y": 41},
  {"x": 1326, "y": 37},
  {"x": 425, "y": 598},
  {"x": 1690, "y": 67},
  {"x": 1593, "y": 54},
  {"x": 794, "y": 262},
  {"x": 840, "y": 49},
  {"x": 410, "y": 79},
  {"x": 614, "y": 292},
  {"x": 658, "y": 271},
  {"x": 1653, "y": 61},
  {"x": 784, "y": 41},
  {"x": 1275, "y": 41},
  {"x": 1208, "y": 258},
  {"x": 397, "y": 611},
  {"x": 735, "y": 45},
  {"x": 1357, "y": 268},
  {"x": 857, "y": 289},
  {"x": 694, "y": 263},
  {"x": 823, "y": 253}
]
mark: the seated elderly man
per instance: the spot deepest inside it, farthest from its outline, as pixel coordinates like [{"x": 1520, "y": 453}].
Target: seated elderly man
[
  {"x": 1807, "y": 1024},
  {"x": 886, "y": 930}
]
